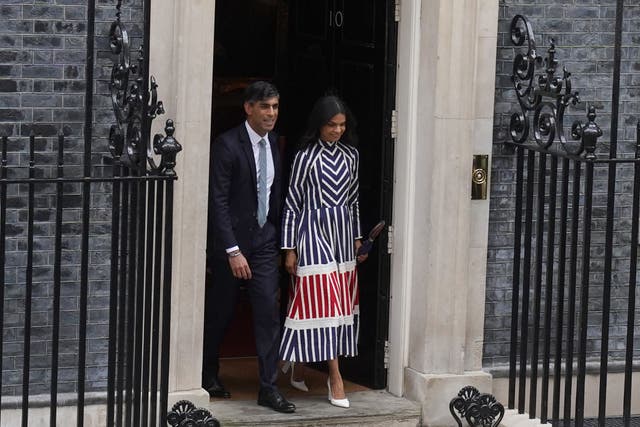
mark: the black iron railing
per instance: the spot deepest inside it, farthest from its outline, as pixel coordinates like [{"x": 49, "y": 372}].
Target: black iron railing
[
  {"x": 562, "y": 229},
  {"x": 477, "y": 409},
  {"x": 141, "y": 302},
  {"x": 141, "y": 228},
  {"x": 137, "y": 180}
]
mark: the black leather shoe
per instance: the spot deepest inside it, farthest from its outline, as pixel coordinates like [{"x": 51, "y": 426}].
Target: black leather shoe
[
  {"x": 216, "y": 389},
  {"x": 276, "y": 401}
]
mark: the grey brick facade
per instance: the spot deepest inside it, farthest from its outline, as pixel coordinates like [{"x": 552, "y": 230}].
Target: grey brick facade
[
  {"x": 42, "y": 90},
  {"x": 42, "y": 84},
  {"x": 584, "y": 34}
]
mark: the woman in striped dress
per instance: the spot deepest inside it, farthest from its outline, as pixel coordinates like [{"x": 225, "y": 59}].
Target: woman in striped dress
[{"x": 321, "y": 236}]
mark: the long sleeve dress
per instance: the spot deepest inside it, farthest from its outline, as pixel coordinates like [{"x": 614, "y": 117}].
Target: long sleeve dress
[{"x": 321, "y": 220}]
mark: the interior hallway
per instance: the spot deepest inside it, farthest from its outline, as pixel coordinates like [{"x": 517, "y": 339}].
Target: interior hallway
[{"x": 240, "y": 377}]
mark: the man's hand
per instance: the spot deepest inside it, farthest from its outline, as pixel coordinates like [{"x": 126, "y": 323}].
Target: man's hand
[
  {"x": 360, "y": 258},
  {"x": 240, "y": 267},
  {"x": 290, "y": 261}
]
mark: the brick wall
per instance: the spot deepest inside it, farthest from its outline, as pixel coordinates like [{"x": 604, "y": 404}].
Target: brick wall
[
  {"x": 42, "y": 89},
  {"x": 584, "y": 35}
]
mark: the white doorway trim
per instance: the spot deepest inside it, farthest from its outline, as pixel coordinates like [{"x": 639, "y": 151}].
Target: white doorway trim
[{"x": 404, "y": 193}]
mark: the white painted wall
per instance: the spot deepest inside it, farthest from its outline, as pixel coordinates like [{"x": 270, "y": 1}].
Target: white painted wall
[
  {"x": 182, "y": 60},
  {"x": 445, "y": 86}
]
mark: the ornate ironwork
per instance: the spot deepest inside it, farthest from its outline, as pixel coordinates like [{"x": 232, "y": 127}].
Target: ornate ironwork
[
  {"x": 479, "y": 409},
  {"x": 547, "y": 97},
  {"x": 185, "y": 414},
  {"x": 135, "y": 107}
]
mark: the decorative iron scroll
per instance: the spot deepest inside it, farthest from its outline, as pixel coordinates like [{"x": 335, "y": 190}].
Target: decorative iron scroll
[
  {"x": 547, "y": 96},
  {"x": 479, "y": 409},
  {"x": 135, "y": 108},
  {"x": 185, "y": 414}
]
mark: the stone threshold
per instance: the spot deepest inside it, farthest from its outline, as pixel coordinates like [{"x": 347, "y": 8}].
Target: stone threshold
[{"x": 368, "y": 408}]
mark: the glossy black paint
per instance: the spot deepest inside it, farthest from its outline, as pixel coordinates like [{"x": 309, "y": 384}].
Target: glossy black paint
[
  {"x": 478, "y": 409},
  {"x": 544, "y": 98},
  {"x": 141, "y": 232},
  {"x": 3, "y": 228},
  {"x": 349, "y": 48},
  {"x": 141, "y": 238}
]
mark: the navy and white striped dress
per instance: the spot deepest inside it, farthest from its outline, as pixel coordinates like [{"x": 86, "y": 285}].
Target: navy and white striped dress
[{"x": 321, "y": 220}]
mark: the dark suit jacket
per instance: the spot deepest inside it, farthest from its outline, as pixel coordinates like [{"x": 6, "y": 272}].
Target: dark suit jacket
[{"x": 234, "y": 204}]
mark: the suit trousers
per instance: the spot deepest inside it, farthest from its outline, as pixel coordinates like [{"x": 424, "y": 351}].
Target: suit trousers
[{"x": 263, "y": 287}]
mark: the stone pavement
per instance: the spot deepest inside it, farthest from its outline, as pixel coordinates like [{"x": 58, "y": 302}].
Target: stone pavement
[{"x": 373, "y": 408}]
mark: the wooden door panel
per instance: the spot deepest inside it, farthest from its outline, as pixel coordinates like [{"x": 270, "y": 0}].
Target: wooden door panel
[
  {"x": 310, "y": 19},
  {"x": 359, "y": 23},
  {"x": 362, "y": 79},
  {"x": 339, "y": 46}
]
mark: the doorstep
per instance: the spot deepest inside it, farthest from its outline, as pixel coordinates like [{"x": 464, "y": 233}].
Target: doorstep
[{"x": 373, "y": 408}]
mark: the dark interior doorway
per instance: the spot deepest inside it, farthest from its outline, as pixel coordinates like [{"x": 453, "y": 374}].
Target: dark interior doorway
[{"x": 310, "y": 48}]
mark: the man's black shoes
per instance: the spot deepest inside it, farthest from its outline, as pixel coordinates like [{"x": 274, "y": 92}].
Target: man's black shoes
[
  {"x": 216, "y": 389},
  {"x": 276, "y": 401}
]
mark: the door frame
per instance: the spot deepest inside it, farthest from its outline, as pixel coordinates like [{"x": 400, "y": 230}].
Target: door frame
[
  {"x": 404, "y": 192},
  {"x": 380, "y": 375},
  {"x": 181, "y": 32},
  {"x": 179, "y": 83}
]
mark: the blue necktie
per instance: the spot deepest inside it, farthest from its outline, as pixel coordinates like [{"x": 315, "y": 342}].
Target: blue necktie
[{"x": 262, "y": 182}]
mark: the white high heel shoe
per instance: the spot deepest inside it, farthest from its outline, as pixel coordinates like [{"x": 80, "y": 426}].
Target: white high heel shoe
[
  {"x": 341, "y": 403},
  {"x": 298, "y": 385}
]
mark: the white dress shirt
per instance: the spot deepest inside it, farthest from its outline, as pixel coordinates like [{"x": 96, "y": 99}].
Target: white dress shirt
[{"x": 255, "y": 144}]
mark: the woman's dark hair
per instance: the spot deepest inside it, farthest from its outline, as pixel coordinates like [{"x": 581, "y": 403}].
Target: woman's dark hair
[{"x": 321, "y": 113}]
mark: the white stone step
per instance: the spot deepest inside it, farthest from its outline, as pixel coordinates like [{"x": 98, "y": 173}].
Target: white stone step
[{"x": 373, "y": 408}]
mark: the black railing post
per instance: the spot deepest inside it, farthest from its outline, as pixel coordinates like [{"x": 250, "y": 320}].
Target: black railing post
[
  {"x": 584, "y": 293},
  {"x": 26, "y": 364},
  {"x": 562, "y": 253},
  {"x": 86, "y": 190},
  {"x": 131, "y": 300},
  {"x": 533, "y": 379},
  {"x": 139, "y": 294},
  {"x": 573, "y": 284},
  {"x": 148, "y": 293},
  {"x": 517, "y": 233},
  {"x": 166, "y": 304},
  {"x": 168, "y": 147},
  {"x": 57, "y": 265},
  {"x": 3, "y": 228},
  {"x": 526, "y": 276},
  {"x": 590, "y": 134},
  {"x": 553, "y": 183},
  {"x": 633, "y": 271},
  {"x": 113, "y": 293},
  {"x": 157, "y": 298},
  {"x": 122, "y": 302},
  {"x": 611, "y": 191}
]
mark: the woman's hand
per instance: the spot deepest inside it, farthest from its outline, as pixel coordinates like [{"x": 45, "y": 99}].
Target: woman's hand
[
  {"x": 290, "y": 261},
  {"x": 360, "y": 258}
]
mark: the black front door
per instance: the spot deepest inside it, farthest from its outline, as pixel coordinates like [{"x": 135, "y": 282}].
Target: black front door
[
  {"x": 309, "y": 48},
  {"x": 348, "y": 47}
]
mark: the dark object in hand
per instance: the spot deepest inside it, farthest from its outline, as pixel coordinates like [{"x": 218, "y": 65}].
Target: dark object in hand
[{"x": 368, "y": 243}]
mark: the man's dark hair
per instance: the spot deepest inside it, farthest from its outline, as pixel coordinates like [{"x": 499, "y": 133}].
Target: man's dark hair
[
  {"x": 259, "y": 91},
  {"x": 323, "y": 110}
]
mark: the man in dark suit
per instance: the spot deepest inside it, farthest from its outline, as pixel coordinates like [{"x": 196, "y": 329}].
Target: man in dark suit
[{"x": 246, "y": 204}]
